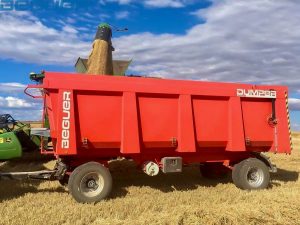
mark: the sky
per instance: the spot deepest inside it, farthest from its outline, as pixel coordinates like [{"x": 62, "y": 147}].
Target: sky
[{"x": 255, "y": 41}]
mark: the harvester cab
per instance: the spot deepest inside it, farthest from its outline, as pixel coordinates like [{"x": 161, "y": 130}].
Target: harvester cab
[
  {"x": 15, "y": 137},
  {"x": 37, "y": 77},
  {"x": 7, "y": 123}
]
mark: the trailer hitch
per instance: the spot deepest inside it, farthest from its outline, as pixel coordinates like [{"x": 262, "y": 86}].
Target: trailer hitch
[
  {"x": 34, "y": 175},
  {"x": 56, "y": 174}
]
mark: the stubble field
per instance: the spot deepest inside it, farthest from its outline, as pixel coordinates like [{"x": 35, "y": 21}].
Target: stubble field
[{"x": 184, "y": 198}]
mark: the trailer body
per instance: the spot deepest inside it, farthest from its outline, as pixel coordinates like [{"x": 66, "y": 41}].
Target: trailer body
[
  {"x": 161, "y": 124},
  {"x": 101, "y": 117}
]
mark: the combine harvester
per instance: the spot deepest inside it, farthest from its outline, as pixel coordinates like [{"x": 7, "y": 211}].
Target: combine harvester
[
  {"x": 15, "y": 137},
  {"x": 161, "y": 124}
]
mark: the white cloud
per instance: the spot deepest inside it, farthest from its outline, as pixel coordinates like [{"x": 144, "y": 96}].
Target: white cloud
[
  {"x": 122, "y": 15},
  {"x": 164, "y": 3},
  {"x": 24, "y": 38},
  {"x": 153, "y": 3},
  {"x": 121, "y": 2},
  {"x": 240, "y": 41},
  {"x": 13, "y": 102},
  {"x": 11, "y": 88},
  {"x": 69, "y": 29},
  {"x": 21, "y": 108},
  {"x": 294, "y": 104},
  {"x": 70, "y": 20},
  {"x": 24, "y": 114},
  {"x": 124, "y": 2},
  {"x": 295, "y": 127}
]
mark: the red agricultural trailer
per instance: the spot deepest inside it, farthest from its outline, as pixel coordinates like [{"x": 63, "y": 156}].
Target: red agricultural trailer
[{"x": 162, "y": 125}]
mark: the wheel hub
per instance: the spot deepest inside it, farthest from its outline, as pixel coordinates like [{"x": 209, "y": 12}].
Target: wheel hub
[
  {"x": 92, "y": 184},
  {"x": 255, "y": 177}
]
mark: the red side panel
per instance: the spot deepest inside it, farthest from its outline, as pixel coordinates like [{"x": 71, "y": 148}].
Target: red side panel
[
  {"x": 186, "y": 128},
  {"x": 256, "y": 113},
  {"x": 236, "y": 137},
  {"x": 99, "y": 119},
  {"x": 130, "y": 140},
  {"x": 51, "y": 108},
  {"x": 66, "y": 131},
  {"x": 211, "y": 121},
  {"x": 158, "y": 120},
  {"x": 97, "y": 116},
  {"x": 284, "y": 139}
]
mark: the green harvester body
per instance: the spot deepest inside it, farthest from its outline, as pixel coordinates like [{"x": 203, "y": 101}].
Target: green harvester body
[
  {"x": 15, "y": 138},
  {"x": 10, "y": 146}
]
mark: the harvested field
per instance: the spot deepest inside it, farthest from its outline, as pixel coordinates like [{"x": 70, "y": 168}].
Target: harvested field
[{"x": 184, "y": 198}]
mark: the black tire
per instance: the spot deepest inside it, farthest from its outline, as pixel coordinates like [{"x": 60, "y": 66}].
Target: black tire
[
  {"x": 235, "y": 174},
  {"x": 90, "y": 182},
  {"x": 251, "y": 174},
  {"x": 213, "y": 170}
]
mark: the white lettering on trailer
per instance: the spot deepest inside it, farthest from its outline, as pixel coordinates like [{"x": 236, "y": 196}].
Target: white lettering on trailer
[
  {"x": 66, "y": 124},
  {"x": 251, "y": 93}
]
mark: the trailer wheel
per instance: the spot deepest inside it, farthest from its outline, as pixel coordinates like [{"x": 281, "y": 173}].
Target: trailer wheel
[
  {"x": 251, "y": 174},
  {"x": 90, "y": 182},
  {"x": 213, "y": 170}
]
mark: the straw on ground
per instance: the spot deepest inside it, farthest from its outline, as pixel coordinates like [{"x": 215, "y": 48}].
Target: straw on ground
[{"x": 184, "y": 198}]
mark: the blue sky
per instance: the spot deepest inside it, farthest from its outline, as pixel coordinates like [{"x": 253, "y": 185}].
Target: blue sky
[{"x": 219, "y": 40}]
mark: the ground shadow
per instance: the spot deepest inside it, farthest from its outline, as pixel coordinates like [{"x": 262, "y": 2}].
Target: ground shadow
[
  {"x": 28, "y": 162},
  {"x": 11, "y": 189},
  {"x": 126, "y": 174},
  {"x": 283, "y": 176}
]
